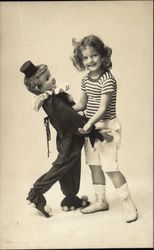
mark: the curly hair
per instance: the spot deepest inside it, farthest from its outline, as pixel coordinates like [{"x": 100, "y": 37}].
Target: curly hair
[
  {"x": 98, "y": 45},
  {"x": 33, "y": 83}
]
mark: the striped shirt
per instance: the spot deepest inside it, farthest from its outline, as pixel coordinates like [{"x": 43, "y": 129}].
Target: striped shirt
[{"x": 95, "y": 88}]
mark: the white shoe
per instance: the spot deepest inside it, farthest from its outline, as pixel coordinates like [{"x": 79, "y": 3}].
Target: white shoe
[
  {"x": 130, "y": 209},
  {"x": 98, "y": 206},
  {"x": 48, "y": 210}
]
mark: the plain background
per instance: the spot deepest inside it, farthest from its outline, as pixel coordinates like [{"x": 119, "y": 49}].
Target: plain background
[{"x": 42, "y": 32}]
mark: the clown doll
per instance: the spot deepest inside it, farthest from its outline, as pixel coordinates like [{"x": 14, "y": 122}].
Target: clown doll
[{"x": 66, "y": 169}]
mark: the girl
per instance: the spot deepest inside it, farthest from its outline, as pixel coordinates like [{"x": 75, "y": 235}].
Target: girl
[{"x": 98, "y": 100}]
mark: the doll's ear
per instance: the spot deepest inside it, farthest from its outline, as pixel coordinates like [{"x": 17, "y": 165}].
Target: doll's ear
[{"x": 74, "y": 42}]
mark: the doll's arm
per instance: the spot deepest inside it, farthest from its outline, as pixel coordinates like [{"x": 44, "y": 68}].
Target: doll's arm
[{"x": 38, "y": 100}]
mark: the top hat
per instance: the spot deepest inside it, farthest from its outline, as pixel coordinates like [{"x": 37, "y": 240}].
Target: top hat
[{"x": 28, "y": 68}]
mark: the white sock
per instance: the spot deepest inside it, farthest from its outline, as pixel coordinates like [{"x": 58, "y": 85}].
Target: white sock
[
  {"x": 100, "y": 192},
  {"x": 123, "y": 191}
]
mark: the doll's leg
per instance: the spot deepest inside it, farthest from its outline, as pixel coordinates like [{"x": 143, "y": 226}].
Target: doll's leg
[
  {"x": 70, "y": 187},
  {"x": 70, "y": 182},
  {"x": 76, "y": 172},
  {"x": 45, "y": 182},
  {"x": 66, "y": 159}
]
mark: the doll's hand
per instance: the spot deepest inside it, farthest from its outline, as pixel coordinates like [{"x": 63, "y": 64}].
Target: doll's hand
[
  {"x": 62, "y": 88},
  {"x": 39, "y": 100},
  {"x": 67, "y": 87},
  {"x": 64, "y": 85},
  {"x": 107, "y": 135}
]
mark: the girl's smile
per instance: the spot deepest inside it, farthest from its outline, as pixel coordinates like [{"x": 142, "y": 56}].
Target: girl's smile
[{"x": 92, "y": 60}]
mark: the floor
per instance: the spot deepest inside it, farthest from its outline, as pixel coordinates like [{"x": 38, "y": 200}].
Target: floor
[
  {"x": 23, "y": 227},
  {"x": 22, "y": 134}
]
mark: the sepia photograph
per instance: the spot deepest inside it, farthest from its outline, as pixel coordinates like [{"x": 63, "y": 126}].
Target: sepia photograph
[{"x": 76, "y": 124}]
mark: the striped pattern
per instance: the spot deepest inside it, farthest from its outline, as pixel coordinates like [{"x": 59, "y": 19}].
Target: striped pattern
[{"x": 95, "y": 89}]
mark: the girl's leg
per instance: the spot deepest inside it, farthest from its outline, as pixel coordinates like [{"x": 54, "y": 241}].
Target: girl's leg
[
  {"x": 69, "y": 149},
  {"x": 122, "y": 190},
  {"x": 99, "y": 184},
  {"x": 117, "y": 178},
  {"x": 97, "y": 175}
]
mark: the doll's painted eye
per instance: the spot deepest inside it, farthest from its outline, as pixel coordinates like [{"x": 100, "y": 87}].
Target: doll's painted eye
[{"x": 47, "y": 77}]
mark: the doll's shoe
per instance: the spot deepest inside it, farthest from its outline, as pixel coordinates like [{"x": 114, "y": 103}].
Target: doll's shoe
[
  {"x": 40, "y": 204},
  {"x": 70, "y": 203},
  {"x": 67, "y": 203},
  {"x": 84, "y": 201},
  {"x": 48, "y": 210},
  {"x": 44, "y": 210},
  {"x": 67, "y": 209},
  {"x": 72, "y": 208},
  {"x": 28, "y": 202},
  {"x": 81, "y": 202},
  {"x": 96, "y": 207}
]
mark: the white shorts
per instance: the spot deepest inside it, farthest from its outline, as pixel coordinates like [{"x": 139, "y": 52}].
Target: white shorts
[{"x": 105, "y": 153}]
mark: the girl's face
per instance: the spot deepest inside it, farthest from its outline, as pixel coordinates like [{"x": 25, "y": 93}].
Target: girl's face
[
  {"x": 91, "y": 59},
  {"x": 48, "y": 82}
]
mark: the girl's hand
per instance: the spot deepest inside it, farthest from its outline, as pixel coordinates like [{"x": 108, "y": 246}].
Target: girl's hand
[
  {"x": 86, "y": 129},
  {"x": 87, "y": 126},
  {"x": 81, "y": 113}
]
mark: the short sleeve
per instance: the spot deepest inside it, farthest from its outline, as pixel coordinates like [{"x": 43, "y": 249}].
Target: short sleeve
[{"x": 109, "y": 85}]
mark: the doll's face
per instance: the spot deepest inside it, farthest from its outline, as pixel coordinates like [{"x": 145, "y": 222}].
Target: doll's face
[{"x": 48, "y": 82}]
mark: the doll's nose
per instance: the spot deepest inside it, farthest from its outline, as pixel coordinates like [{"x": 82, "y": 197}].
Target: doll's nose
[{"x": 53, "y": 81}]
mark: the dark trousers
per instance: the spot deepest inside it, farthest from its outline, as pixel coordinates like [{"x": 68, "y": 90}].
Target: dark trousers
[{"x": 67, "y": 167}]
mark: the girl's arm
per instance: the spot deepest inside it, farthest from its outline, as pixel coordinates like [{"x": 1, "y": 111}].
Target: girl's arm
[
  {"x": 102, "y": 109},
  {"x": 81, "y": 104}
]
